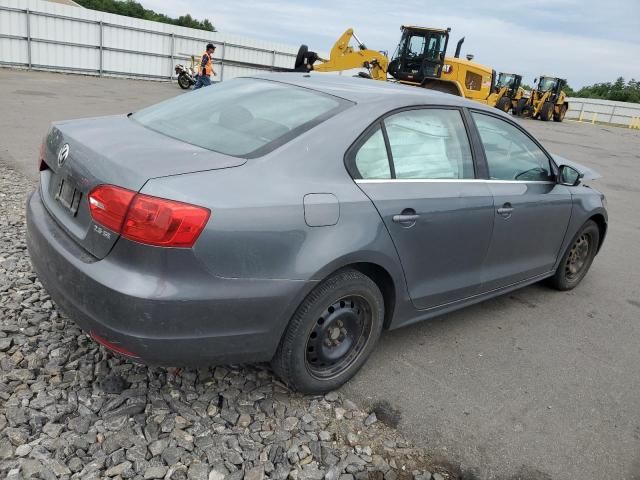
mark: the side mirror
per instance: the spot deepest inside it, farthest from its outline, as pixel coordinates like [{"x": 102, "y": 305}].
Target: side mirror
[
  {"x": 535, "y": 80},
  {"x": 569, "y": 176}
]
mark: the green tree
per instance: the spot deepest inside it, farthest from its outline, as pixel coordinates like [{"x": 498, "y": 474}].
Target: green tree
[
  {"x": 131, "y": 8},
  {"x": 569, "y": 91}
]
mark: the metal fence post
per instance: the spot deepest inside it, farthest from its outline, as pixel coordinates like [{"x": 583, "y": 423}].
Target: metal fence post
[
  {"x": 581, "y": 112},
  {"x": 613, "y": 111},
  {"x": 101, "y": 46},
  {"x": 28, "y": 38},
  {"x": 273, "y": 61},
  {"x": 224, "y": 50},
  {"x": 173, "y": 44}
]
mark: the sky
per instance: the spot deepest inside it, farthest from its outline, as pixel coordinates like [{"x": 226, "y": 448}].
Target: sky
[{"x": 584, "y": 41}]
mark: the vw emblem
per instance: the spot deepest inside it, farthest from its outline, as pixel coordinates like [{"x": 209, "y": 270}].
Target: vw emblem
[{"x": 63, "y": 154}]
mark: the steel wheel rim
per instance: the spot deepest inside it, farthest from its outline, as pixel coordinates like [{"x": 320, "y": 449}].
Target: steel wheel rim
[
  {"x": 578, "y": 256},
  {"x": 338, "y": 337}
]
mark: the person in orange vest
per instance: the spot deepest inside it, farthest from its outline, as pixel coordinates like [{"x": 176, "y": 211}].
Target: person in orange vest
[{"x": 206, "y": 68}]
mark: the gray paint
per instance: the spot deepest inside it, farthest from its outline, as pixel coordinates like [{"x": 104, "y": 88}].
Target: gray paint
[{"x": 231, "y": 296}]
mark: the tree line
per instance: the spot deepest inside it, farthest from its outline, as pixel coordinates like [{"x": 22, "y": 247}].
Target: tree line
[
  {"x": 131, "y": 8},
  {"x": 619, "y": 90}
]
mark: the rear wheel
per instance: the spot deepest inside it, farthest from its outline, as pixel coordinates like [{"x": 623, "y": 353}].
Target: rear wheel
[
  {"x": 331, "y": 334},
  {"x": 504, "y": 104},
  {"x": 546, "y": 112},
  {"x": 519, "y": 110},
  {"x": 559, "y": 116},
  {"x": 578, "y": 258},
  {"x": 183, "y": 81}
]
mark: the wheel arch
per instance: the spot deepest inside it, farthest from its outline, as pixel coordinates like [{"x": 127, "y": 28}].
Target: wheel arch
[
  {"x": 382, "y": 278},
  {"x": 601, "y": 222},
  {"x": 389, "y": 281},
  {"x": 446, "y": 86}
]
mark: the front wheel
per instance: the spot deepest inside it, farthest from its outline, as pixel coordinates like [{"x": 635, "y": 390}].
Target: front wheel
[
  {"x": 504, "y": 104},
  {"x": 559, "y": 116},
  {"x": 546, "y": 112},
  {"x": 520, "y": 108},
  {"x": 578, "y": 258},
  {"x": 331, "y": 334}
]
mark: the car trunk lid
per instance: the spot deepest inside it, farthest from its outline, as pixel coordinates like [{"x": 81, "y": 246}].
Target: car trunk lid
[{"x": 82, "y": 154}]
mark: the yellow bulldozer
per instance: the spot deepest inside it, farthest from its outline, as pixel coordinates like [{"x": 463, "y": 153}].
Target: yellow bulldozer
[
  {"x": 546, "y": 101},
  {"x": 420, "y": 60}
]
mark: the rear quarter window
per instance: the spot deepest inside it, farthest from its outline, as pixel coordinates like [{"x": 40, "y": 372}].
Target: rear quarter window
[{"x": 242, "y": 117}]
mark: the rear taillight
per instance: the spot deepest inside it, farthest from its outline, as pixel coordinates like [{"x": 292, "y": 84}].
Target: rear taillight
[
  {"x": 147, "y": 219},
  {"x": 162, "y": 222},
  {"x": 109, "y": 205}
]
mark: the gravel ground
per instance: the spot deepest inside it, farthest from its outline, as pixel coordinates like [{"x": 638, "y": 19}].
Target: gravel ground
[{"x": 71, "y": 410}]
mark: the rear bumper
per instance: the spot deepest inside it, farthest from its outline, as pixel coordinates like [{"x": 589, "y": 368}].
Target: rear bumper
[{"x": 160, "y": 304}]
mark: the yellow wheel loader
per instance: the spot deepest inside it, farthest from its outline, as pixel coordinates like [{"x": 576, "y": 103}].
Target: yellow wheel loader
[
  {"x": 420, "y": 59},
  {"x": 506, "y": 92},
  {"x": 547, "y": 101}
]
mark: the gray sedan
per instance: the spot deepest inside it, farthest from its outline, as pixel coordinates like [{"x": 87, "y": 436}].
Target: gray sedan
[{"x": 291, "y": 218}]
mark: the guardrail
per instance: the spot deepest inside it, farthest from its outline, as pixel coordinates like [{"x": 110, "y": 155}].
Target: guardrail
[
  {"x": 275, "y": 63},
  {"x": 604, "y": 111}
]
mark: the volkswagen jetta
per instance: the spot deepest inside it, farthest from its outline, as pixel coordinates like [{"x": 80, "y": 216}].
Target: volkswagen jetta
[{"x": 292, "y": 217}]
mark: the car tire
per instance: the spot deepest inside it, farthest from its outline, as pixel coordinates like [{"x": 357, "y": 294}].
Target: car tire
[
  {"x": 578, "y": 258},
  {"x": 332, "y": 333},
  {"x": 504, "y": 104},
  {"x": 546, "y": 112}
]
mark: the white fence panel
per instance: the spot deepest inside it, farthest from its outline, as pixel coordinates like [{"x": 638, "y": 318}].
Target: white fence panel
[
  {"x": 63, "y": 30},
  {"x": 13, "y": 23},
  {"x": 49, "y": 55},
  {"x": 40, "y": 34},
  {"x": 13, "y": 52},
  {"x": 605, "y": 111}
]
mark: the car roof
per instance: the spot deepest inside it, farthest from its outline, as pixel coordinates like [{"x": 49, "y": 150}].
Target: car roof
[{"x": 363, "y": 90}]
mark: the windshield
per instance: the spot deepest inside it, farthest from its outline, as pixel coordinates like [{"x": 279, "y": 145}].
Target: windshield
[
  {"x": 242, "y": 117},
  {"x": 431, "y": 45},
  {"x": 505, "y": 79},
  {"x": 546, "y": 84}
]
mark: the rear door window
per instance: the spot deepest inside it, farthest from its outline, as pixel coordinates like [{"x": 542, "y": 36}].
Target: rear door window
[
  {"x": 242, "y": 117},
  {"x": 429, "y": 143}
]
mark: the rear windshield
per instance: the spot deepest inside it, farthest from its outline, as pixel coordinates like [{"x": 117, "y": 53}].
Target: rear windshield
[{"x": 243, "y": 117}]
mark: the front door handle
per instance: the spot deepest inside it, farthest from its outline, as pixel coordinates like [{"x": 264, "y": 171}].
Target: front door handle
[
  {"x": 506, "y": 210},
  {"x": 407, "y": 218}
]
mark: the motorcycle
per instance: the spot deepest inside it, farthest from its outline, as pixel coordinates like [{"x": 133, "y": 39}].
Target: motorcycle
[{"x": 186, "y": 76}]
